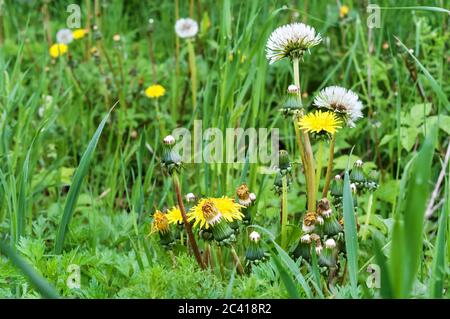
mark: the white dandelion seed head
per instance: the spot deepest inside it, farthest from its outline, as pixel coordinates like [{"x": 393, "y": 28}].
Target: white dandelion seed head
[
  {"x": 169, "y": 140},
  {"x": 254, "y": 236},
  {"x": 291, "y": 40},
  {"x": 190, "y": 197},
  {"x": 306, "y": 239},
  {"x": 64, "y": 36},
  {"x": 186, "y": 28},
  {"x": 337, "y": 177},
  {"x": 359, "y": 163},
  {"x": 330, "y": 243},
  {"x": 340, "y": 100},
  {"x": 252, "y": 196}
]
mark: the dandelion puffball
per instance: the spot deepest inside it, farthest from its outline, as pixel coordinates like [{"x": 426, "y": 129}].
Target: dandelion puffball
[
  {"x": 64, "y": 36},
  {"x": 186, "y": 28},
  {"x": 340, "y": 100},
  {"x": 291, "y": 40}
]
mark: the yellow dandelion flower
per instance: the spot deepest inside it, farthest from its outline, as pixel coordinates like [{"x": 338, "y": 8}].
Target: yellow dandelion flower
[
  {"x": 319, "y": 122},
  {"x": 160, "y": 223},
  {"x": 79, "y": 33},
  {"x": 174, "y": 216},
  {"x": 343, "y": 11},
  {"x": 211, "y": 210},
  {"x": 58, "y": 49},
  {"x": 155, "y": 91}
]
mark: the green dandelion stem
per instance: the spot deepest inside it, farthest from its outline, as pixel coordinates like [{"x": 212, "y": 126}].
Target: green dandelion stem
[
  {"x": 284, "y": 211},
  {"x": 329, "y": 167},
  {"x": 319, "y": 164},
  {"x": 193, "y": 71}
]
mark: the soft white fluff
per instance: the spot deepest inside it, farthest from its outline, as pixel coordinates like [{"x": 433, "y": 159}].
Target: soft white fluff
[
  {"x": 295, "y": 37},
  {"x": 186, "y": 28},
  {"x": 64, "y": 36},
  {"x": 340, "y": 100}
]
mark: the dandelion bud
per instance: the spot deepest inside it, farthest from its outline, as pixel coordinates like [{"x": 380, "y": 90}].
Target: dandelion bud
[
  {"x": 320, "y": 220},
  {"x": 331, "y": 226},
  {"x": 190, "y": 197},
  {"x": 309, "y": 222},
  {"x": 254, "y": 251},
  {"x": 292, "y": 102},
  {"x": 337, "y": 186},
  {"x": 306, "y": 238},
  {"x": 243, "y": 195},
  {"x": 252, "y": 197},
  {"x": 330, "y": 243},
  {"x": 97, "y": 34},
  {"x": 353, "y": 187},
  {"x": 116, "y": 37},
  {"x": 284, "y": 165},
  {"x": 170, "y": 159},
  {"x": 151, "y": 25},
  {"x": 134, "y": 134},
  {"x": 160, "y": 225}
]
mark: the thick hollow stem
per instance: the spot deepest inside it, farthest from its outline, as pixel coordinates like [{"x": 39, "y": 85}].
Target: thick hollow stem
[
  {"x": 284, "y": 212},
  {"x": 319, "y": 165},
  {"x": 220, "y": 261},
  {"x": 193, "y": 71},
  {"x": 187, "y": 225},
  {"x": 307, "y": 150},
  {"x": 329, "y": 167}
]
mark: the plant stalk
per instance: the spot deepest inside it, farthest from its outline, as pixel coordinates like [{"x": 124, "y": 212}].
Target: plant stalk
[
  {"x": 284, "y": 212},
  {"x": 329, "y": 167},
  {"x": 187, "y": 225}
]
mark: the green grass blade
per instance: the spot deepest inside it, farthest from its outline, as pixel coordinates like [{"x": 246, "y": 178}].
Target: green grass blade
[
  {"x": 351, "y": 240},
  {"x": 386, "y": 286},
  {"x": 39, "y": 283},
  {"x": 437, "y": 283},
  {"x": 75, "y": 188},
  {"x": 286, "y": 278},
  {"x": 414, "y": 209}
]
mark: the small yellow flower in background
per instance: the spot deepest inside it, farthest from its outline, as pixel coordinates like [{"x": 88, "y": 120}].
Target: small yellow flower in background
[
  {"x": 319, "y": 121},
  {"x": 79, "y": 33},
  {"x": 210, "y": 211},
  {"x": 174, "y": 216},
  {"x": 160, "y": 223},
  {"x": 343, "y": 11},
  {"x": 155, "y": 91},
  {"x": 58, "y": 49}
]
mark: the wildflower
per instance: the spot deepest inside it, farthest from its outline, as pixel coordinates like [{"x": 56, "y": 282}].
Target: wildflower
[
  {"x": 170, "y": 159},
  {"x": 155, "y": 91},
  {"x": 64, "y": 36},
  {"x": 284, "y": 165},
  {"x": 291, "y": 40},
  {"x": 215, "y": 214},
  {"x": 320, "y": 122},
  {"x": 186, "y": 28},
  {"x": 210, "y": 211},
  {"x": 342, "y": 101},
  {"x": 343, "y": 11},
  {"x": 309, "y": 222},
  {"x": 79, "y": 33},
  {"x": 337, "y": 187},
  {"x": 293, "y": 101},
  {"x": 160, "y": 225},
  {"x": 174, "y": 216},
  {"x": 58, "y": 49},
  {"x": 243, "y": 195},
  {"x": 323, "y": 208},
  {"x": 255, "y": 252},
  {"x": 357, "y": 173}
]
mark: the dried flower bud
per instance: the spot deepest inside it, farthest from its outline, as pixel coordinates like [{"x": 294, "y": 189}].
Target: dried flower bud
[
  {"x": 190, "y": 197},
  {"x": 243, "y": 195},
  {"x": 252, "y": 197},
  {"x": 330, "y": 243},
  {"x": 254, "y": 236}
]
